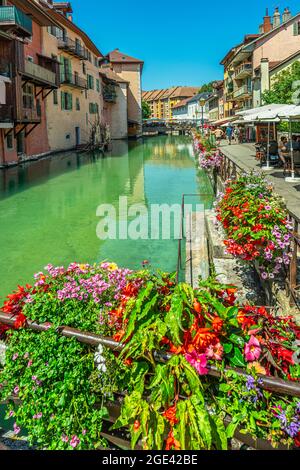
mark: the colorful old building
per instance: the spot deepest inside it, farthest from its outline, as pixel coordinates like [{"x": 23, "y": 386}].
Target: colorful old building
[
  {"x": 163, "y": 101},
  {"x": 30, "y": 76}
]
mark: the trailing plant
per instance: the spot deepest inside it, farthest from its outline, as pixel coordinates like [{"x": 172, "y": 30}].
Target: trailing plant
[{"x": 209, "y": 157}]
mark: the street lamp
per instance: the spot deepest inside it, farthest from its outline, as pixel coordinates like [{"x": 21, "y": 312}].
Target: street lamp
[{"x": 202, "y": 102}]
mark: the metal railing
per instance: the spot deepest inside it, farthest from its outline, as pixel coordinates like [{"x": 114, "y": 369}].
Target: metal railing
[
  {"x": 243, "y": 90},
  {"x": 72, "y": 47},
  {"x": 73, "y": 80},
  {"x": 14, "y": 16},
  {"x": 182, "y": 235},
  {"x": 246, "y": 67},
  {"x": 230, "y": 170}
]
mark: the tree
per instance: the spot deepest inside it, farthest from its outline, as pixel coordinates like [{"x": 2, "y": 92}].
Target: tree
[
  {"x": 146, "y": 110},
  {"x": 285, "y": 88},
  {"x": 207, "y": 87}
]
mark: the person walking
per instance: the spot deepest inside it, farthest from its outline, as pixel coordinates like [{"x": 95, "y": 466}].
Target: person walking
[
  {"x": 229, "y": 133},
  {"x": 219, "y": 135}
]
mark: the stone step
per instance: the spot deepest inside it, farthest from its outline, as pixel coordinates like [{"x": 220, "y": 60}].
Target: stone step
[
  {"x": 197, "y": 260},
  {"x": 217, "y": 248}
]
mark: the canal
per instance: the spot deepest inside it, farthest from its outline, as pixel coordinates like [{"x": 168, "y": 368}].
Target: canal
[{"x": 48, "y": 208}]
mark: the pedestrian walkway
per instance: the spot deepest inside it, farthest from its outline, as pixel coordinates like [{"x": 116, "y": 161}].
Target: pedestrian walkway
[{"x": 244, "y": 156}]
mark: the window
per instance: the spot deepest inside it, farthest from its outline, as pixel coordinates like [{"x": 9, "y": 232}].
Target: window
[
  {"x": 9, "y": 142},
  {"x": 94, "y": 108},
  {"x": 55, "y": 97},
  {"x": 77, "y": 104},
  {"x": 96, "y": 62},
  {"x": 98, "y": 85},
  {"x": 66, "y": 101},
  {"x": 91, "y": 82},
  {"x": 28, "y": 97},
  {"x": 84, "y": 68},
  {"x": 297, "y": 28}
]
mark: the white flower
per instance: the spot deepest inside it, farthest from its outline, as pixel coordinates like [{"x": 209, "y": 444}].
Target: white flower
[
  {"x": 99, "y": 359},
  {"x": 101, "y": 367},
  {"x": 100, "y": 349}
]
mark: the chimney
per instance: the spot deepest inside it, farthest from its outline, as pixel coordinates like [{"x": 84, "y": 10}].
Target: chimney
[
  {"x": 266, "y": 27},
  {"x": 276, "y": 18},
  {"x": 286, "y": 15}
]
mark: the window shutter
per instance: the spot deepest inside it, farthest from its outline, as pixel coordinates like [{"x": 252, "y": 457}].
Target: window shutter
[
  {"x": 62, "y": 69},
  {"x": 63, "y": 101},
  {"x": 296, "y": 28},
  {"x": 71, "y": 101}
]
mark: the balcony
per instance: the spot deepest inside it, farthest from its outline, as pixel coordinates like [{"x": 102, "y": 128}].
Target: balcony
[
  {"x": 14, "y": 20},
  {"x": 109, "y": 93},
  {"x": 39, "y": 75},
  {"x": 242, "y": 92},
  {"x": 30, "y": 115},
  {"x": 243, "y": 71},
  {"x": 73, "y": 80},
  {"x": 73, "y": 48}
]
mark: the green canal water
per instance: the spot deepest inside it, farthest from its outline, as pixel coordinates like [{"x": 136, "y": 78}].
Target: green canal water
[{"x": 48, "y": 208}]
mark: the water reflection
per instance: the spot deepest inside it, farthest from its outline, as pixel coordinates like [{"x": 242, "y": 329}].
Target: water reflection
[{"x": 48, "y": 208}]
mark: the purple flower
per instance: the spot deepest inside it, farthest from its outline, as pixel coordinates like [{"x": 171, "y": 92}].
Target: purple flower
[
  {"x": 250, "y": 383},
  {"x": 16, "y": 390},
  {"x": 293, "y": 429}
]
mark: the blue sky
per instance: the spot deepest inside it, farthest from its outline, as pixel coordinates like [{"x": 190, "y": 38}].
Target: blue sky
[{"x": 181, "y": 42}]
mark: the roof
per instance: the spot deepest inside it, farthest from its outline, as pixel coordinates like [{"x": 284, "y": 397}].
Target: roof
[
  {"x": 41, "y": 15},
  {"x": 182, "y": 104},
  {"x": 184, "y": 92},
  {"x": 274, "y": 30},
  {"x": 274, "y": 65},
  {"x": 119, "y": 57},
  {"x": 205, "y": 95},
  {"x": 69, "y": 24},
  {"x": 107, "y": 72}
]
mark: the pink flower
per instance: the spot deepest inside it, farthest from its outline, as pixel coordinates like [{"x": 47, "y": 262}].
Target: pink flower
[
  {"x": 75, "y": 441},
  {"x": 15, "y": 356},
  {"x": 252, "y": 350},
  {"x": 215, "y": 352},
  {"x": 64, "y": 438},
  {"x": 198, "y": 361},
  {"x": 17, "y": 430},
  {"x": 16, "y": 390}
]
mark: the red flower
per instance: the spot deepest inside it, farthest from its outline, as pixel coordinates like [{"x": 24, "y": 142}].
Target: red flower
[
  {"x": 297, "y": 440},
  {"x": 197, "y": 307},
  {"x": 172, "y": 443},
  {"x": 217, "y": 324},
  {"x": 20, "y": 321},
  {"x": 136, "y": 426},
  {"x": 170, "y": 415}
]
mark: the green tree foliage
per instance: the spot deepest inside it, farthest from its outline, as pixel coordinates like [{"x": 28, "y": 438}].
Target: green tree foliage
[
  {"x": 146, "y": 110},
  {"x": 284, "y": 88},
  {"x": 207, "y": 87}
]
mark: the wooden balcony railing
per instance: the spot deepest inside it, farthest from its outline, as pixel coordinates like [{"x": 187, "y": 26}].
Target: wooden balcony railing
[
  {"x": 39, "y": 73},
  {"x": 244, "y": 90},
  {"x": 6, "y": 114}
]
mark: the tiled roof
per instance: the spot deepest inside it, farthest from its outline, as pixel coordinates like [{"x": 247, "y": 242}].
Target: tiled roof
[
  {"x": 119, "y": 57},
  {"x": 181, "y": 104},
  {"x": 184, "y": 92}
]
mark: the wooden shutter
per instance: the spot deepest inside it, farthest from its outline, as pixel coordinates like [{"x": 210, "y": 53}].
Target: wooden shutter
[
  {"x": 63, "y": 100},
  {"x": 296, "y": 28}
]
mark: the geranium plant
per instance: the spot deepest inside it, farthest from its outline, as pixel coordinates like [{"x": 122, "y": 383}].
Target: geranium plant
[{"x": 256, "y": 224}]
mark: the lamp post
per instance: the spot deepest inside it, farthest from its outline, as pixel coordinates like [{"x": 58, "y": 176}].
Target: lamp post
[{"x": 202, "y": 102}]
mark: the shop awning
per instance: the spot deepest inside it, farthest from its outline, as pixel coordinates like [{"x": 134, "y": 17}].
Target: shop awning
[{"x": 220, "y": 122}]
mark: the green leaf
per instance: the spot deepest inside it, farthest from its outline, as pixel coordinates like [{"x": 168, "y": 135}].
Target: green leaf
[
  {"x": 237, "y": 340},
  {"x": 238, "y": 359},
  {"x": 228, "y": 347}
]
